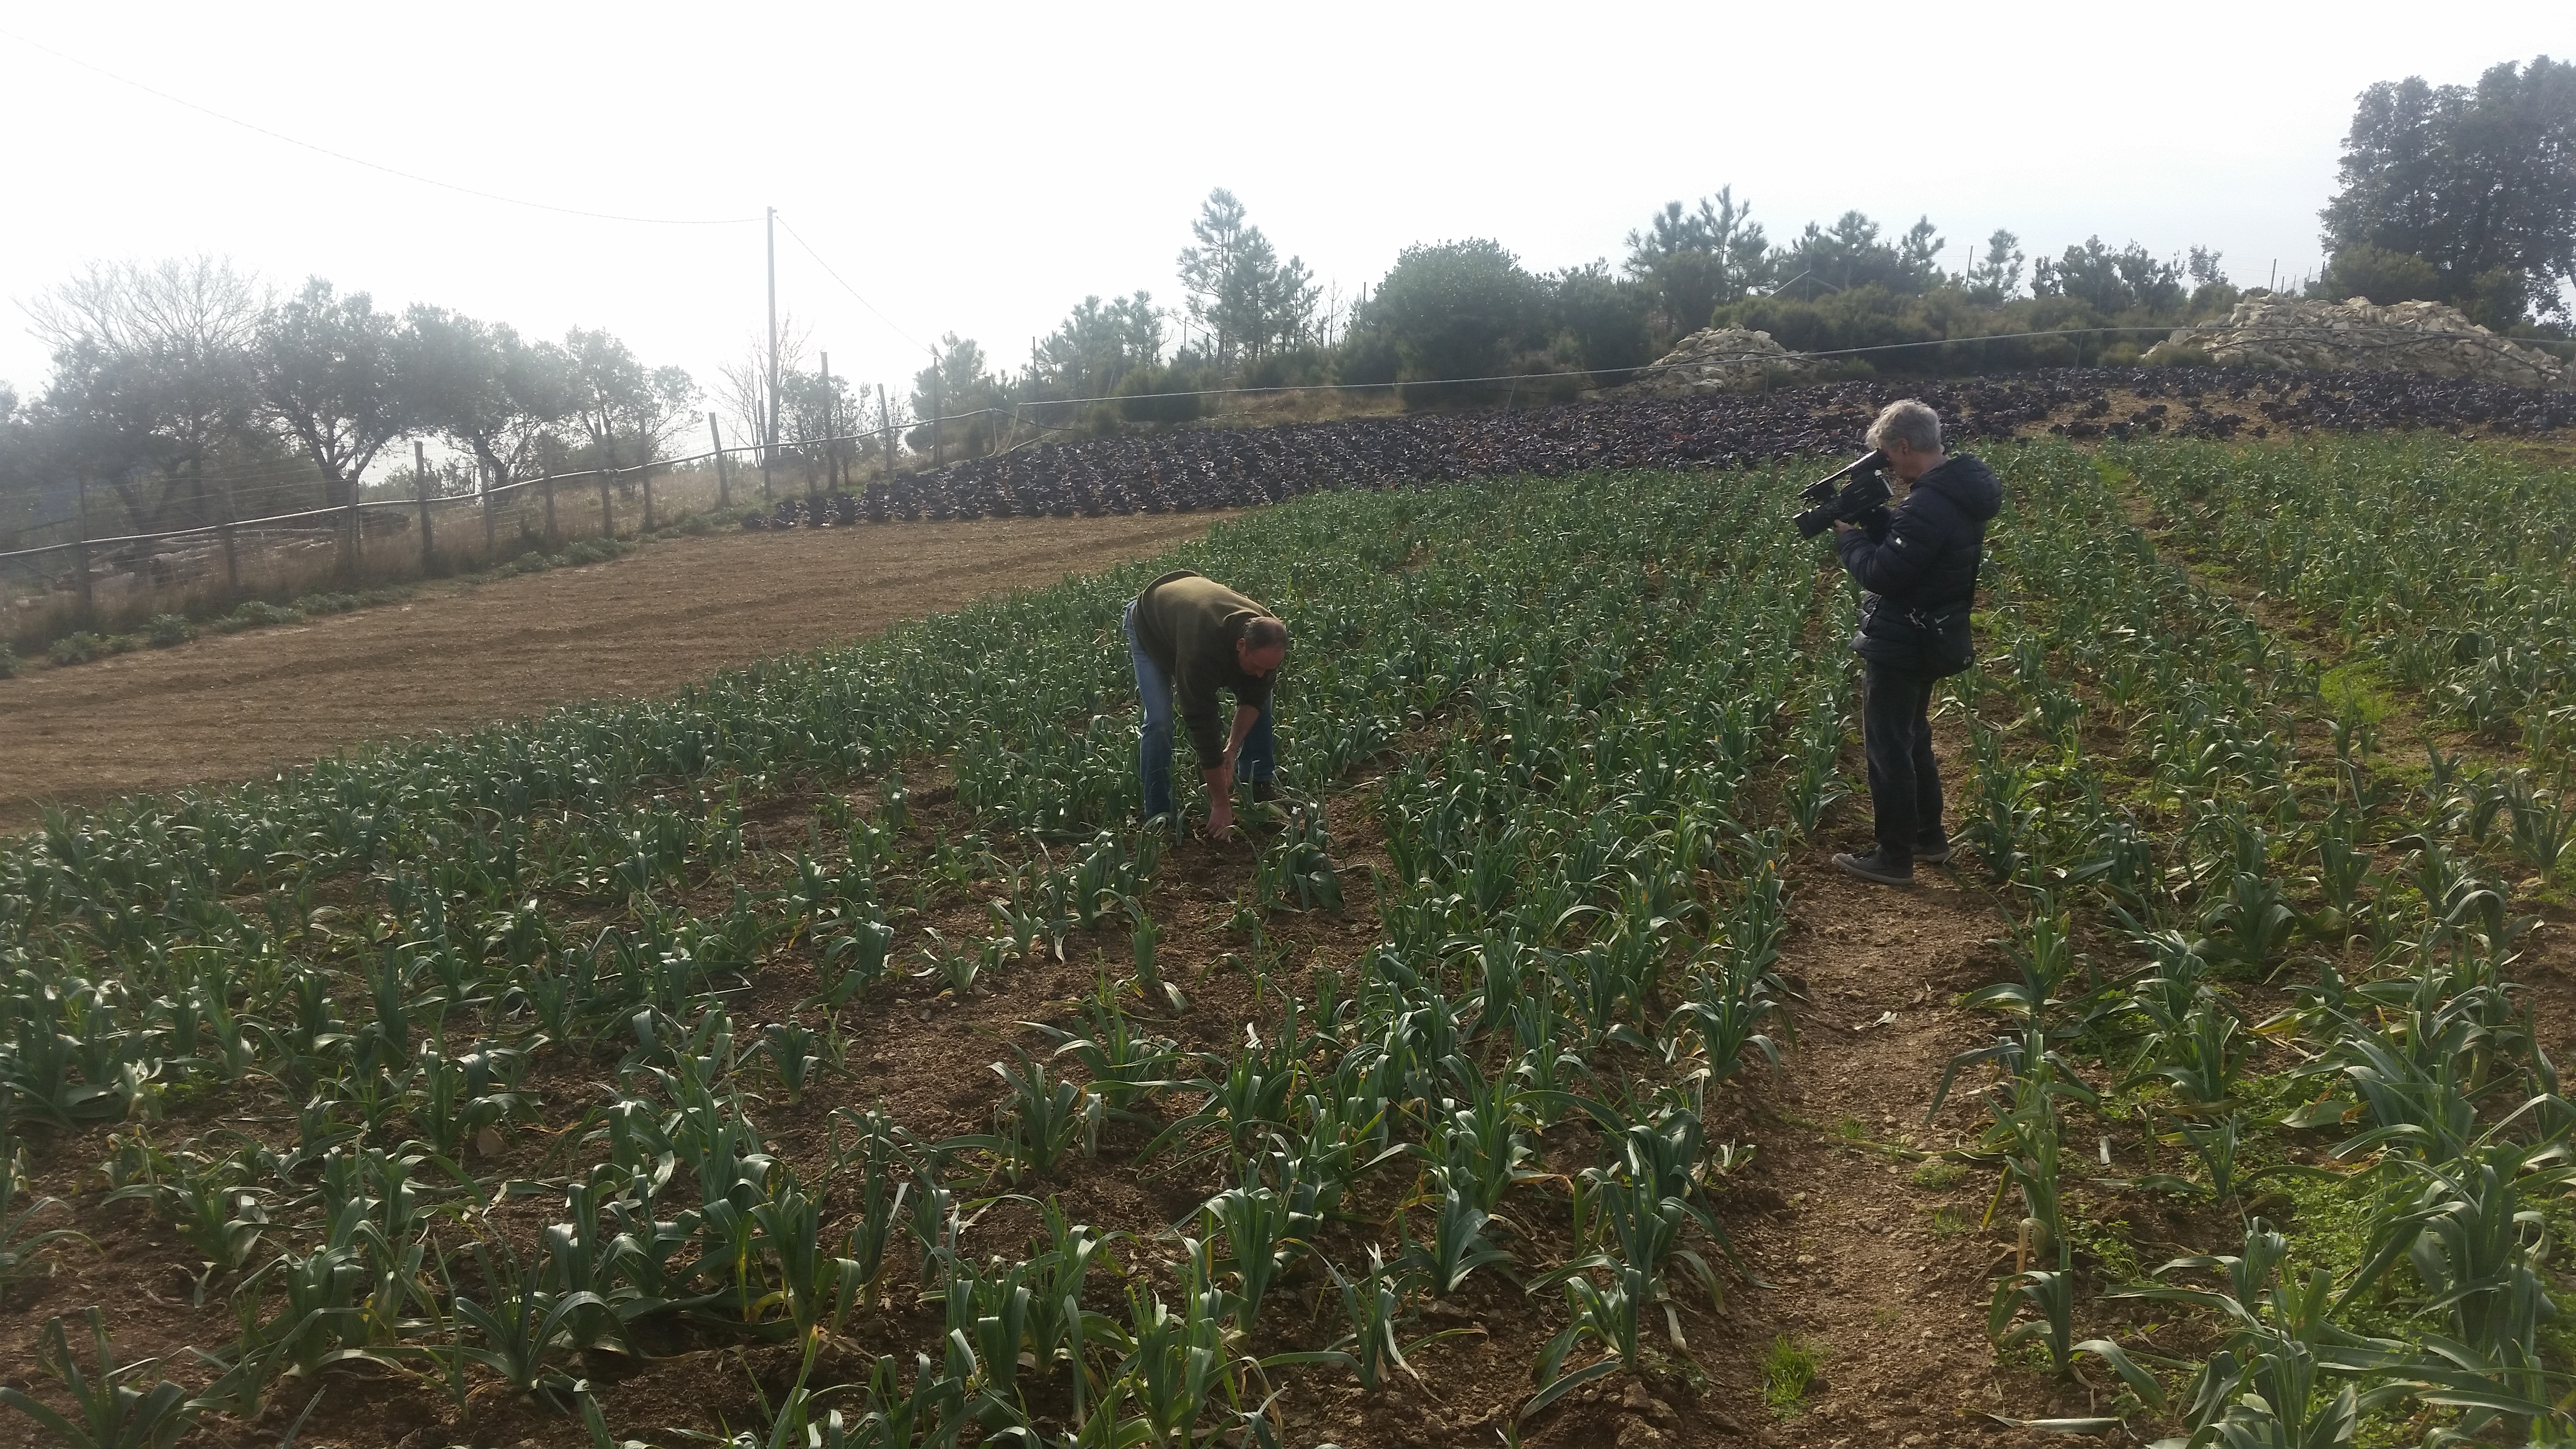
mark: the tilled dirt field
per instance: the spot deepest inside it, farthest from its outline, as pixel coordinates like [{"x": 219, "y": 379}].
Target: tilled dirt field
[{"x": 237, "y": 706}]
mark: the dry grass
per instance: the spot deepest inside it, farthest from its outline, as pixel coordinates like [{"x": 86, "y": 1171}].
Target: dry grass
[{"x": 129, "y": 587}]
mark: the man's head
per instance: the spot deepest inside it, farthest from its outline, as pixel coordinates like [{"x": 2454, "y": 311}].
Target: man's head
[
  {"x": 1910, "y": 435},
  {"x": 1263, "y": 647}
]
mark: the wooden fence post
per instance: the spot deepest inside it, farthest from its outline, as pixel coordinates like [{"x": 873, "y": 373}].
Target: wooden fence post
[
  {"x": 646, "y": 478},
  {"x": 80, "y": 560},
  {"x": 823, "y": 370},
  {"x": 885, "y": 424},
  {"x": 420, "y": 488},
  {"x": 224, "y": 531},
  {"x": 549, "y": 476},
  {"x": 607, "y": 514},
  {"x": 357, "y": 535},
  {"x": 724, "y": 487},
  {"x": 491, "y": 513}
]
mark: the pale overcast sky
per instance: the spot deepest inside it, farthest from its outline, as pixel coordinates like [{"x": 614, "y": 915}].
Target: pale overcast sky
[{"x": 979, "y": 169}]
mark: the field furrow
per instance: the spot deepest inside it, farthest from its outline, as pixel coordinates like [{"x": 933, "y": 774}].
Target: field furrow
[{"x": 826, "y": 1038}]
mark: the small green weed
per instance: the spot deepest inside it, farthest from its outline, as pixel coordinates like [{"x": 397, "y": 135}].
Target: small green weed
[
  {"x": 1940, "y": 1173},
  {"x": 2356, "y": 693},
  {"x": 1788, "y": 1371},
  {"x": 2108, "y": 1244}
]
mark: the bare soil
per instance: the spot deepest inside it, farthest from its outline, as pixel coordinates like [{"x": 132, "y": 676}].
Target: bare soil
[
  {"x": 1839, "y": 1246},
  {"x": 234, "y": 707}
]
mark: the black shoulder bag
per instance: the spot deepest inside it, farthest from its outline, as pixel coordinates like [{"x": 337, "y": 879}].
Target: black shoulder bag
[{"x": 1948, "y": 643}]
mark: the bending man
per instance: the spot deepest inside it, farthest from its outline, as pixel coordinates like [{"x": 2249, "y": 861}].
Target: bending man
[{"x": 1190, "y": 637}]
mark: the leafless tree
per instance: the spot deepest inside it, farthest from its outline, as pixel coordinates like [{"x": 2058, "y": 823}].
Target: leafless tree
[
  {"x": 163, "y": 352},
  {"x": 742, "y": 386}
]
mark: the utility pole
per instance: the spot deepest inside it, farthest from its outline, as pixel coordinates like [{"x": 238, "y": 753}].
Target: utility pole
[
  {"x": 937, "y": 458},
  {"x": 769, "y": 442},
  {"x": 420, "y": 490},
  {"x": 823, "y": 370},
  {"x": 724, "y": 488}
]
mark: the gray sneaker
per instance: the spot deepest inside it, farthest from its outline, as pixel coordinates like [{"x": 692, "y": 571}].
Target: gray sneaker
[
  {"x": 1877, "y": 866},
  {"x": 1934, "y": 852}
]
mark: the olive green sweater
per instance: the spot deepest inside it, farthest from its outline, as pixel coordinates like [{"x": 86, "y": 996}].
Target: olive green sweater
[{"x": 1188, "y": 624}]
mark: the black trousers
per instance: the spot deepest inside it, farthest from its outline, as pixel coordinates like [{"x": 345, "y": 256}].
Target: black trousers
[{"x": 1904, "y": 779}]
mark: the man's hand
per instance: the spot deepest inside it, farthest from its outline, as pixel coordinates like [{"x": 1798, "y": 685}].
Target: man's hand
[
  {"x": 1844, "y": 525},
  {"x": 1220, "y": 788}
]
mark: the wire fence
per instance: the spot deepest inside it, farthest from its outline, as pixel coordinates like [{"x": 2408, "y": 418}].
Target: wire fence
[
  {"x": 387, "y": 539},
  {"x": 351, "y": 512}
]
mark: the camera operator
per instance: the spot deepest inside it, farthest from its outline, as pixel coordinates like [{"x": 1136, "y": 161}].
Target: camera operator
[{"x": 1917, "y": 568}]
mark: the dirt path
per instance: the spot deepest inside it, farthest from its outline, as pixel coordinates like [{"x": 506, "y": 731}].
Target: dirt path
[
  {"x": 237, "y": 706},
  {"x": 1859, "y": 1269}
]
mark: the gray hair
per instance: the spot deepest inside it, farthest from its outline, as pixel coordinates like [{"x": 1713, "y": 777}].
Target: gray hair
[
  {"x": 1907, "y": 421},
  {"x": 1265, "y": 632}
]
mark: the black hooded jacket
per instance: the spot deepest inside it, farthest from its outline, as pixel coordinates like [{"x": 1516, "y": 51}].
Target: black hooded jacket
[{"x": 1920, "y": 557}]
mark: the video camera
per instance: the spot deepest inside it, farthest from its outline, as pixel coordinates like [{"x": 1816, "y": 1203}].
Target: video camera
[{"x": 1850, "y": 503}]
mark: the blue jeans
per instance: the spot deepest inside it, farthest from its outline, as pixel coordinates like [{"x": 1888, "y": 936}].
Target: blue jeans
[{"x": 1256, "y": 762}]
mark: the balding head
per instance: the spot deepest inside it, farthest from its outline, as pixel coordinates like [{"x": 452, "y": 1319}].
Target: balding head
[{"x": 1263, "y": 647}]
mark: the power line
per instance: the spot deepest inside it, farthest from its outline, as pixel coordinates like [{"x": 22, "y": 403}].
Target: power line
[
  {"x": 362, "y": 161},
  {"x": 845, "y": 286}
]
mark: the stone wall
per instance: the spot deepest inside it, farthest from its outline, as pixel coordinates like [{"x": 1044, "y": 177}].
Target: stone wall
[
  {"x": 1718, "y": 359},
  {"x": 2334, "y": 336}
]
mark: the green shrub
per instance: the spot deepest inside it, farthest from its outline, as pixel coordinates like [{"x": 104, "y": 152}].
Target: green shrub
[
  {"x": 596, "y": 550},
  {"x": 260, "y": 612},
  {"x": 168, "y": 630},
  {"x": 534, "y": 561},
  {"x": 1457, "y": 310},
  {"x": 1161, "y": 395},
  {"x": 1977, "y": 336},
  {"x": 78, "y": 648},
  {"x": 2382, "y": 276},
  {"x": 1296, "y": 367},
  {"x": 1367, "y": 359},
  {"x": 8, "y": 662}
]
